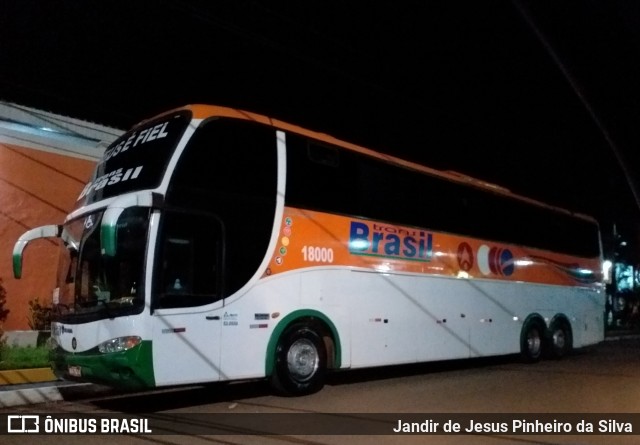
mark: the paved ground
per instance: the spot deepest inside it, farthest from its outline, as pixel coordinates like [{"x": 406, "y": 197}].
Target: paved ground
[{"x": 32, "y": 386}]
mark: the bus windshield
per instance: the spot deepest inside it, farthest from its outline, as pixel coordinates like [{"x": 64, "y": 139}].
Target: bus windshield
[{"x": 100, "y": 286}]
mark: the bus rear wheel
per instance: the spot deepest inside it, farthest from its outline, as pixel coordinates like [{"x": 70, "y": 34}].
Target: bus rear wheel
[
  {"x": 532, "y": 340},
  {"x": 560, "y": 339},
  {"x": 300, "y": 362}
]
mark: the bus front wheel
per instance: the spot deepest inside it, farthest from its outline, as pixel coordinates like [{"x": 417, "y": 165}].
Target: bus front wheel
[{"x": 300, "y": 361}]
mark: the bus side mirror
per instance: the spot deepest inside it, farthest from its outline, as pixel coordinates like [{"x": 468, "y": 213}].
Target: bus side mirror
[
  {"x": 109, "y": 224},
  {"x": 49, "y": 231},
  {"x": 109, "y": 231}
]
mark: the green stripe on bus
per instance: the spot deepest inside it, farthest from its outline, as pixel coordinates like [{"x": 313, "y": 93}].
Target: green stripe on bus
[
  {"x": 131, "y": 369},
  {"x": 17, "y": 265},
  {"x": 287, "y": 321}
]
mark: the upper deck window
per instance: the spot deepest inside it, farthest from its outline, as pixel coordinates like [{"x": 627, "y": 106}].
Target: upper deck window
[{"x": 137, "y": 160}]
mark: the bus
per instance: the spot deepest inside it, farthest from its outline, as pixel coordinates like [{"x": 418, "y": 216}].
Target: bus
[{"x": 214, "y": 244}]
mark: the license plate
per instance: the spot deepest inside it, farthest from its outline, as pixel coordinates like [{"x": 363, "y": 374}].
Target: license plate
[{"x": 75, "y": 371}]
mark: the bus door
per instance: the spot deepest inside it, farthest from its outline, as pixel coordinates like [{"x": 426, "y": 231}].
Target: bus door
[{"x": 187, "y": 298}]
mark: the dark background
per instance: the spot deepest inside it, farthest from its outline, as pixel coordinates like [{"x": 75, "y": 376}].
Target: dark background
[{"x": 539, "y": 96}]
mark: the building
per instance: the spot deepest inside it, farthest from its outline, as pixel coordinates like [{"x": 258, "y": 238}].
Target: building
[{"x": 45, "y": 161}]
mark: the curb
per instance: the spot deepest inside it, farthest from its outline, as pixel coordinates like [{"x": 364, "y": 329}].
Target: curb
[
  {"x": 28, "y": 387},
  {"x": 622, "y": 337},
  {"x": 43, "y": 393},
  {"x": 22, "y": 376}
]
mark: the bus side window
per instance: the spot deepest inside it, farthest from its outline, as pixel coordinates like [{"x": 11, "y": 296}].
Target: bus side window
[
  {"x": 176, "y": 264},
  {"x": 319, "y": 176},
  {"x": 190, "y": 257}
]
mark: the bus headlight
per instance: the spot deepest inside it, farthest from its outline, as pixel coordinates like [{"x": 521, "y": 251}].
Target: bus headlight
[{"x": 118, "y": 344}]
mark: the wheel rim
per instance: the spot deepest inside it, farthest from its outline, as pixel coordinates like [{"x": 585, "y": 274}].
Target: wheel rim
[
  {"x": 559, "y": 339},
  {"x": 534, "y": 342},
  {"x": 303, "y": 360}
]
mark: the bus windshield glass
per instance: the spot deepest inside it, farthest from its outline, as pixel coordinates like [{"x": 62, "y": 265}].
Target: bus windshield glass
[
  {"x": 137, "y": 160},
  {"x": 101, "y": 286}
]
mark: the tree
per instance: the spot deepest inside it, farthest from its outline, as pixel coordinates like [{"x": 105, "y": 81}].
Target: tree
[
  {"x": 40, "y": 319},
  {"x": 3, "y": 312},
  {"x": 3, "y": 299}
]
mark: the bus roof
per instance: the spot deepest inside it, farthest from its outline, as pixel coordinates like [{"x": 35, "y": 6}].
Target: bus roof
[{"x": 201, "y": 111}]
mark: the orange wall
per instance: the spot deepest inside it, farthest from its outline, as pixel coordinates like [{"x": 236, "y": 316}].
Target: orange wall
[{"x": 36, "y": 188}]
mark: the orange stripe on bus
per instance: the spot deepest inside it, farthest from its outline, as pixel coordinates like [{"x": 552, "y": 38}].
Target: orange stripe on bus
[{"x": 313, "y": 239}]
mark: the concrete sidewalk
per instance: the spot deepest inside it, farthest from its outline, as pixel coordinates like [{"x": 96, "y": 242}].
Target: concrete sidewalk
[
  {"x": 34, "y": 393},
  {"x": 33, "y": 386},
  {"x": 28, "y": 386}
]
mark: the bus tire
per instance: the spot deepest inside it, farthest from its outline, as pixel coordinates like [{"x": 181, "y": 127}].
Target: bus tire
[
  {"x": 532, "y": 339},
  {"x": 560, "y": 339},
  {"x": 300, "y": 361}
]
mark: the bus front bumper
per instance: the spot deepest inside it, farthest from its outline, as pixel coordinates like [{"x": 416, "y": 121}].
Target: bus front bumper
[{"x": 131, "y": 369}]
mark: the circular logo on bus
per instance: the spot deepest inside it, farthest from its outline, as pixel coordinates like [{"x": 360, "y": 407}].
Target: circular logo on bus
[
  {"x": 465, "y": 257},
  {"x": 501, "y": 261},
  {"x": 505, "y": 262},
  {"x": 495, "y": 260}
]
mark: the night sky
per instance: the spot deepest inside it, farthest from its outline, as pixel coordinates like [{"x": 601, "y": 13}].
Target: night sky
[{"x": 540, "y": 97}]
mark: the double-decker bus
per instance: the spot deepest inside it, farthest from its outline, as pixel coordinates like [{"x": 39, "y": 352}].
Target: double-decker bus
[{"x": 213, "y": 244}]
